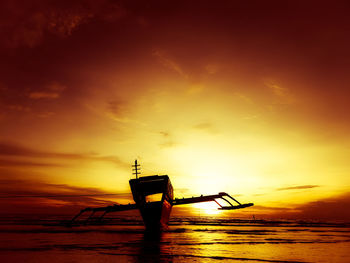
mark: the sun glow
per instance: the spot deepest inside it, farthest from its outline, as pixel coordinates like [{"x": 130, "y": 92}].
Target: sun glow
[
  {"x": 216, "y": 113},
  {"x": 209, "y": 208}
]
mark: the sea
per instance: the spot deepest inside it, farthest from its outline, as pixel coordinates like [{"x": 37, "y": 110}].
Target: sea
[{"x": 188, "y": 239}]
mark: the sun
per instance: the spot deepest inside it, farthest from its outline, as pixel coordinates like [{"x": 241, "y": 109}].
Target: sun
[{"x": 209, "y": 208}]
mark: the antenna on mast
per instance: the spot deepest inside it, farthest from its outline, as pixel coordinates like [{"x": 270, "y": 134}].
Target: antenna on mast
[{"x": 136, "y": 169}]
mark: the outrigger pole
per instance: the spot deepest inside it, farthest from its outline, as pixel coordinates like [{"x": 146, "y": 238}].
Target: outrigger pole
[
  {"x": 176, "y": 201},
  {"x": 208, "y": 198},
  {"x": 149, "y": 185},
  {"x": 106, "y": 209}
]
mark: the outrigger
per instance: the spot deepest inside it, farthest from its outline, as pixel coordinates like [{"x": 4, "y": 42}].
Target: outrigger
[{"x": 153, "y": 196}]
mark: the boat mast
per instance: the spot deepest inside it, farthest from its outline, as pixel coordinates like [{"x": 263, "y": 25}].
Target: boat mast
[{"x": 136, "y": 169}]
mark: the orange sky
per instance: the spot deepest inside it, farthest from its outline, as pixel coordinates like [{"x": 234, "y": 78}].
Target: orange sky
[{"x": 250, "y": 98}]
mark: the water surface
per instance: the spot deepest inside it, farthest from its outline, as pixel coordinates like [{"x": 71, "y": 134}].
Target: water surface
[{"x": 202, "y": 239}]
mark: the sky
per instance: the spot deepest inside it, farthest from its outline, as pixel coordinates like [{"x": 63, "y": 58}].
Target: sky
[{"x": 246, "y": 97}]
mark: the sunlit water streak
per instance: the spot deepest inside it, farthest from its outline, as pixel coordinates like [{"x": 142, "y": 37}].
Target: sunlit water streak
[{"x": 123, "y": 239}]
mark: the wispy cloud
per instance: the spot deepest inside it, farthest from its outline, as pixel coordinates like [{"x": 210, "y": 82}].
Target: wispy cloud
[
  {"x": 168, "y": 62},
  {"x": 298, "y": 187},
  {"x": 51, "y": 91},
  {"x": 43, "y": 95},
  {"x": 244, "y": 97},
  {"x": 282, "y": 94},
  {"x": 118, "y": 110},
  {"x": 167, "y": 140},
  {"x": 206, "y": 127},
  {"x": 164, "y": 134},
  {"x": 212, "y": 68}
]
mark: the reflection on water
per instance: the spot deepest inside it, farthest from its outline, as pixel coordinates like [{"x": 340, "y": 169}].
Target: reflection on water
[
  {"x": 150, "y": 248},
  {"x": 186, "y": 240}
]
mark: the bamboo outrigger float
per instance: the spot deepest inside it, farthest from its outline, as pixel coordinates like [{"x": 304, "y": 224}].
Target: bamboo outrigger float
[{"x": 153, "y": 196}]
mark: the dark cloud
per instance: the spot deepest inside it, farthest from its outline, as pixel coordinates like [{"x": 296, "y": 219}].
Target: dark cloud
[
  {"x": 335, "y": 208},
  {"x": 76, "y": 35},
  {"x": 27, "y": 23},
  {"x": 21, "y": 163},
  {"x": 298, "y": 187},
  {"x": 10, "y": 150},
  {"x": 22, "y": 196},
  {"x": 21, "y": 188},
  {"x": 273, "y": 209},
  {"x": 328, "y": 209},
  {"x": 36, "y": 65}
]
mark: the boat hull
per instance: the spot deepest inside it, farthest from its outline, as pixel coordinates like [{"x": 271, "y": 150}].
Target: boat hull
[{"x": 155, "y": 214}]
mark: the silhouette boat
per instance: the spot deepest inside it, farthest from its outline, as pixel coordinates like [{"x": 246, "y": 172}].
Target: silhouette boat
[{"x": 154, "y": 197}]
